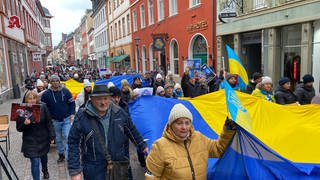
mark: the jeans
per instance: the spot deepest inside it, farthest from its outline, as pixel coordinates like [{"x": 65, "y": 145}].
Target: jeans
[
  {"x": 35, "y": 166},
  {"x": 62, "y": 129}
]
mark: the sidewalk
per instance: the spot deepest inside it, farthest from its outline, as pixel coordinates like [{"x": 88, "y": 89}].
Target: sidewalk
[
  {"x": 57, "y": 171},
  {"x": 21, "y": 164}
]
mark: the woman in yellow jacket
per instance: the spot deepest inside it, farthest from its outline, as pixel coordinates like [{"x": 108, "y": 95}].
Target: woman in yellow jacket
[
  {"x": 264, "y": 89},
  {"x": 182, "y": 153}
]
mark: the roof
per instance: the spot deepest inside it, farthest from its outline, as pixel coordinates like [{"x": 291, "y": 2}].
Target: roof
[{"x": 46, "y": 12}]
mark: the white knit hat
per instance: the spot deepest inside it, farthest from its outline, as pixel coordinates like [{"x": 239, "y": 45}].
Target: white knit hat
[
  {"x": 86, "y": 83},
  {"x": 266, "y": 79},
  {"x": 177, "y": 86},
  {"x": 39, "y": 83},
  {"x": 179, "y": 111},
  {"x": 158, "y": 76},
  {"x": 110, "y": 84}
]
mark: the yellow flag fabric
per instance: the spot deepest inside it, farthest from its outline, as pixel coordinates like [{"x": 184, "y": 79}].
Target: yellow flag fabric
[
  {"x": 74, "y": 86},
  {"x": 291, "y": 131}
]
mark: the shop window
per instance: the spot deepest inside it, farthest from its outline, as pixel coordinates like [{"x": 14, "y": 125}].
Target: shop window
[
  {"x": 257, "y": 4},
  {"x": 3, "y": 69}
]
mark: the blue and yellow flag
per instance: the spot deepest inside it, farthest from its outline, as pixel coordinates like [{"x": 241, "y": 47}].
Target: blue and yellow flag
[
  {"x": 236, "y": 67},
  {"x": 283, "y": 143},
  {"x": 236, "y": 110}
]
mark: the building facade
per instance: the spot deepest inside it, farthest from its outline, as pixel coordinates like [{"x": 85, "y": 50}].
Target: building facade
[
  {"x": 85, "y": 27},
  {"x": 100, "y": 34},
  {"x": 119, "y": 31},
  {"x": 70, "y": 49},
  {"x": 77, "y": 44},
  {"x": 275, "y": 37},
  {"x": 167, "y": 33}
]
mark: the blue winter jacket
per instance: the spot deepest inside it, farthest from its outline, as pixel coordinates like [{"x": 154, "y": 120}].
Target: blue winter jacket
[{"x": 83, "y": 140}]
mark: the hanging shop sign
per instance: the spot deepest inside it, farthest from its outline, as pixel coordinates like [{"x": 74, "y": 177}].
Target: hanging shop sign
[
  {"x": 201, "y": 25},
  {"x": 14, "y": 22},
  {"x": 36, "y": 56},
  {"x": 159, "y": 41},
  {"x": 227, "y": 15}
]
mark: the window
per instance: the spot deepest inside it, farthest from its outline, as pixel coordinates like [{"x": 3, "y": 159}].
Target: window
[
  {"x": 134, "y": 17},
  {"x": 174, "y": 57},
  {"x": 123, "y": 27},
  {"x": 258, "y": 4},
  {"x": 128, "y": 23},
  {"x": 173, "y": 7},
  {"x": 152, "y": 58},
  {"x": 116, "y": 31},
  {"x": 119, "y": 23},
  {"x": 111, "y": 34},
  {"x": 110, "y": 9},
  {"x": 142, "y": 17},
  {"x": 3, "y": 69},
  {"x": 194, "y": 3},
  {"x": 144, "y": 59},
  {"x": 160, "y": 10},
  {"x": 150, "y": 12}
]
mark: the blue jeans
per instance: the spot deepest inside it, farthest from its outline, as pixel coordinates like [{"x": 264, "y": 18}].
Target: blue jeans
[
  {"x": 62, "y": 129},
  {"x": 35, "y": 166}
]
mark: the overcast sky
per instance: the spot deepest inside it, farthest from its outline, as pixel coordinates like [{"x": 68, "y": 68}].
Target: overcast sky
[{"x": 66, "y": 15}]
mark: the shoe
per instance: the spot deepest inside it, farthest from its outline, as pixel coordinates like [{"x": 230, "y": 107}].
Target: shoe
[
  {"x": 61, "y": 158},
  {"x": 46, "y": 175}
]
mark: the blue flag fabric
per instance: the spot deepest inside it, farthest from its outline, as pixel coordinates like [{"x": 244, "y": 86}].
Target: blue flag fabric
[{"x": 116, "y": 80}]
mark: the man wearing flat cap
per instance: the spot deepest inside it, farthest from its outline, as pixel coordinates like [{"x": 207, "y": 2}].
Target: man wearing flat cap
[{"x": 99, "y": 139}]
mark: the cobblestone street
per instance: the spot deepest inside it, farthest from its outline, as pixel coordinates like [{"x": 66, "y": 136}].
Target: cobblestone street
[{"x": 57, "y": 171}]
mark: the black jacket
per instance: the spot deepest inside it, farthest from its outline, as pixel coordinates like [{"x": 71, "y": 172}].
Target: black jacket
[
  {"x": 36, "y": 137},
  {"x": 156, "y": 84},
  {"x": 285, "y": 96},
  {"x": 304, "y": 94},
  {"x": 250, "y": 87}
]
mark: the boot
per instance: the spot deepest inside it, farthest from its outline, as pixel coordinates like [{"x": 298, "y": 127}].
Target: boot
[
  {"x": 46, "y": 175},
  {"x": 61, "y": 158}
]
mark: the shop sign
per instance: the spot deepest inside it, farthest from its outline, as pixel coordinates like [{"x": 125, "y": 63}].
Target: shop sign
[
  {"x": 227, "y": 15},
  {"x": 158, "y": 44},
  {"x": 197, "y": 26},
  {"x": 36, "y": 56},
  {"x": 14, "y": 21}
]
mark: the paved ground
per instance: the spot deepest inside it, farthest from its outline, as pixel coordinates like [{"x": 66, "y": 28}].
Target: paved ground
[{"x": 21, "y": 165}]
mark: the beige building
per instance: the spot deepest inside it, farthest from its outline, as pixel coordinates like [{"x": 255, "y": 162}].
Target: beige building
[{"x": 275, "y": 37}]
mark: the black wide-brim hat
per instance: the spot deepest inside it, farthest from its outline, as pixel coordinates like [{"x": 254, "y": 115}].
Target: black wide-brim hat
[{"x": 100, "y": 90}]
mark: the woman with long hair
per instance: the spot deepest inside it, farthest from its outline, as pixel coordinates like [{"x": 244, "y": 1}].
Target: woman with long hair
[{"x": 36, "y": 137}]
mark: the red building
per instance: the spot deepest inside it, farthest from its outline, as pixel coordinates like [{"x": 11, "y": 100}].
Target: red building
[
  {"x": 70, "y": 50},
  {"x": 167, "y": 33}
]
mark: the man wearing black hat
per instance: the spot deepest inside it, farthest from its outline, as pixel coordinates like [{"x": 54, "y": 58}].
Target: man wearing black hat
[
  {"x": 99, "y": 139},
  {"x": 305, "y": 91},
  {"x": 283, "y": 93}
]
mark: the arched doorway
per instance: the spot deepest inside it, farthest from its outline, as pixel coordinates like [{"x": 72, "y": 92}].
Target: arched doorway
[{"x": 199, "y": 49}]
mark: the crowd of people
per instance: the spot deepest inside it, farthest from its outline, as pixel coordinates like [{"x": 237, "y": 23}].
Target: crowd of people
[{"x": 85, "y": 128}]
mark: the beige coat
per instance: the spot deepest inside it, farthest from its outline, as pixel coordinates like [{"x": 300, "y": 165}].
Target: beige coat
[{"x": 168, "y": 158}]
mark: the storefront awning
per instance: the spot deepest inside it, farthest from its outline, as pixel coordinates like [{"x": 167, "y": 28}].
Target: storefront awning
[{"x": 117, "y": 59}]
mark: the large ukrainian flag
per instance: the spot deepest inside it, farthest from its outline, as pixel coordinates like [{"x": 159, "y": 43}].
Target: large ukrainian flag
[
  {"x": 236, "y": 67},
  {"x": 283, "y": 143}
]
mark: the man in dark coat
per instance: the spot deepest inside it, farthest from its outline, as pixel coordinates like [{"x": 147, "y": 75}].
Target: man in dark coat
[
  {"x": 305, "y": 91},
  {"x": 99, "y": 139},
  {"x": 283, "y": 93},
  {"x": 256, "y": 78}
]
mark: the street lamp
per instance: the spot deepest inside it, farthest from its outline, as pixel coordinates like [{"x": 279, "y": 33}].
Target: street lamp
[{"x": 137, "y": 42}]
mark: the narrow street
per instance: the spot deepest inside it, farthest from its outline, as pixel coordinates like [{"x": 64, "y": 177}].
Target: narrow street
[{"x": 57, "y": 171}]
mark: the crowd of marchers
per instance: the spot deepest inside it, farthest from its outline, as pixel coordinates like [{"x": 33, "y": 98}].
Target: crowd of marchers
[{"x": 92, "y": 131}]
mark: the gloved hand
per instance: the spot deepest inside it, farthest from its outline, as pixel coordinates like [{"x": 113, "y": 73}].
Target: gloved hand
[{"x": 230, "y": 124}]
